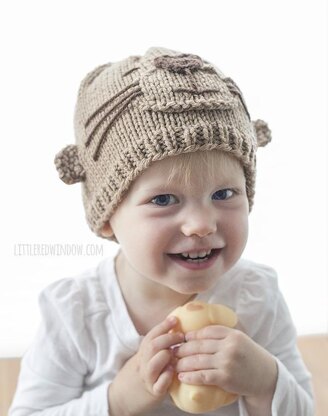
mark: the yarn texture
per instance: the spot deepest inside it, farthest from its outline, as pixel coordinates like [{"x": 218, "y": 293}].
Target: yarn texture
[
  {"x": 68, "y": 165},
  {"x": 146, "y": 108}
]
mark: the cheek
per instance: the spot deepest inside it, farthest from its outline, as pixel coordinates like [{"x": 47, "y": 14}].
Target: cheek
[
  {"x": 237, "y": 230},
  {"x": 137, "y": 233},
  {"x": 244, "y": 227}
]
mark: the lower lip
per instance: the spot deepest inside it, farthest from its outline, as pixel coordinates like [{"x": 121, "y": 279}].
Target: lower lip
[{"x": 196, "y": 266}]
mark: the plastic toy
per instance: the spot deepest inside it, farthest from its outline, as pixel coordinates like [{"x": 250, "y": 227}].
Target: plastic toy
[{"x": 195, "y": 398}]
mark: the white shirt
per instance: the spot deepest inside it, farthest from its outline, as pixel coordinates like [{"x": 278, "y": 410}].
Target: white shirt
[{"x": 86, "y": 336}]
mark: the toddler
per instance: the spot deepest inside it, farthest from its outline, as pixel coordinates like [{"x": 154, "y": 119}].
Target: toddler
[{"x": 166, "y": 153}]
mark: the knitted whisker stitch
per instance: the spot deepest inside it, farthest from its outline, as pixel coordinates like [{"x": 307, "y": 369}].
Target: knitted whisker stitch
[
  {"x": 134, "y": 112},
  {"x": 127, "y": 88},
  {"x": 104, "y": 134}
]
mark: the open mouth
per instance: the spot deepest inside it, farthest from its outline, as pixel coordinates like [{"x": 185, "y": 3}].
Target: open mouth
[{"x": 196, "y": 257}]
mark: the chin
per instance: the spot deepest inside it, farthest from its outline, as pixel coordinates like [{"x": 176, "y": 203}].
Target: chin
[{"x": 191, "y": 289}]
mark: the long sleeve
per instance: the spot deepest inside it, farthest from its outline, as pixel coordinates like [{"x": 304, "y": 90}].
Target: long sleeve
[
  {"x": 86, "y": 336},
  {"x": 36, "y": 398},
  {"x": 270, "y": 325},
  {"x": 53, "y": 370}
]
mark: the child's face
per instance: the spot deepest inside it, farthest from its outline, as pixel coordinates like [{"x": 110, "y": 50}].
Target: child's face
[{"x": 157, "y": 222}]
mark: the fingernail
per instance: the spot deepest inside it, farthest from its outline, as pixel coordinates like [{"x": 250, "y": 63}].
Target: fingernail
[
  {"x": 182, "y": 336},
  {"x": 172, "y": 319},
  {"x": 188, "y": 336}
]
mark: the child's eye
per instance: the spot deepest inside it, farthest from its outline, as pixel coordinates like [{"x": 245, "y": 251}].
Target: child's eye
[
  {"x": 164, "y": 200},
  {"x": 223, "y": 194}
]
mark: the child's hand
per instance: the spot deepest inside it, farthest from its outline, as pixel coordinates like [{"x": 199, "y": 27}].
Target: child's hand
[
  {"x": 155, "y": 359},
  {"x": 144, "y": 380},
  {"x": 227, "y": 358}
]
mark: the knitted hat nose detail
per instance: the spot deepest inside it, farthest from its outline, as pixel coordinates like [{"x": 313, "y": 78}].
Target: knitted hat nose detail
[
  {"x": 186, "y": 84},
  {"x": 181, "y": 64}
]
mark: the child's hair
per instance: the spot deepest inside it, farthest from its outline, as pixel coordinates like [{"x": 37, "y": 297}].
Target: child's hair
[
  {"x": 134, "y": 112},
  {"x": 206, "y": 161}
]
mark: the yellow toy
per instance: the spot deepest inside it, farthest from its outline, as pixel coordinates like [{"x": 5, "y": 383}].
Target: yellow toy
[{"x": 193, "y": 316}]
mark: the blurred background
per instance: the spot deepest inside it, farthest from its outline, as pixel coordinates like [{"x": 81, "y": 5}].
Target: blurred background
[{"x": 276, "y": 51}]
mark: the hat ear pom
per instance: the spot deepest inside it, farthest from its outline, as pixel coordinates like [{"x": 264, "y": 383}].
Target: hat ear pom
[
  {"x": 263, "y": 133},
  {"x": 68, "y": 165}
]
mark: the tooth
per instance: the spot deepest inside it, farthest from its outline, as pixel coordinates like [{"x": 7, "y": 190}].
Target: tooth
[
  {"x": 196, "y": 255},
  {"x": 196, "y": 260}
]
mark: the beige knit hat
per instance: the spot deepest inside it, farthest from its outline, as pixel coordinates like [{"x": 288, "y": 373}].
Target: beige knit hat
[{"x": 145, "y": 108}]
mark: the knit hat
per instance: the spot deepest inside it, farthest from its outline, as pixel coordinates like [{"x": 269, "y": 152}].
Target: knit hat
[{"x": 145, "y": 108}]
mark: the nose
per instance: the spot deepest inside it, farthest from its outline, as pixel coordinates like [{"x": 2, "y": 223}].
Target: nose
[{"x": 200, "y": 223}]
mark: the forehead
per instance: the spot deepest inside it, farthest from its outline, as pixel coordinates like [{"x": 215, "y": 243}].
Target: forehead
[{"x": 191, "y": 168}]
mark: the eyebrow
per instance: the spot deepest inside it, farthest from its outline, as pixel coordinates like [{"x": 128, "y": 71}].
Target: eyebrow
[
  {"x": 172, "y": 188},
  {"x": 155, "y": 189}
]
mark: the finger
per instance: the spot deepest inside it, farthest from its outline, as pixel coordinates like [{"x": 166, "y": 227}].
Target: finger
[
  {"x": 163, "y": 327},
  {"x": 156, "y": 365},
  {"x": 196, "y": 362},
  {"x": 201, "y": 377},
  {"x": 197, "y": 346},
  {"x": 211, "y": 331},
  {"x": 166, "y": 341},
  {"x": 164, "y": 381}
]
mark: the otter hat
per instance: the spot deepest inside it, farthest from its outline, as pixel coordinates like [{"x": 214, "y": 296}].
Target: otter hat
[{"x": 145, "y": 108}]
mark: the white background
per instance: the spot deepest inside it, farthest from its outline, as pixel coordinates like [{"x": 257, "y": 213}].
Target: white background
[{"x": 276, "y": 51}]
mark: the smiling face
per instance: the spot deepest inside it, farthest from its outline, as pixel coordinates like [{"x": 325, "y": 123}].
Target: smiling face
[{"x": 182, "y": 232}]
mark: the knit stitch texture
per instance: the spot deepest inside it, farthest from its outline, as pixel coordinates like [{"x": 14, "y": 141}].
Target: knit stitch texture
[{"x": 146, "y": 108}]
